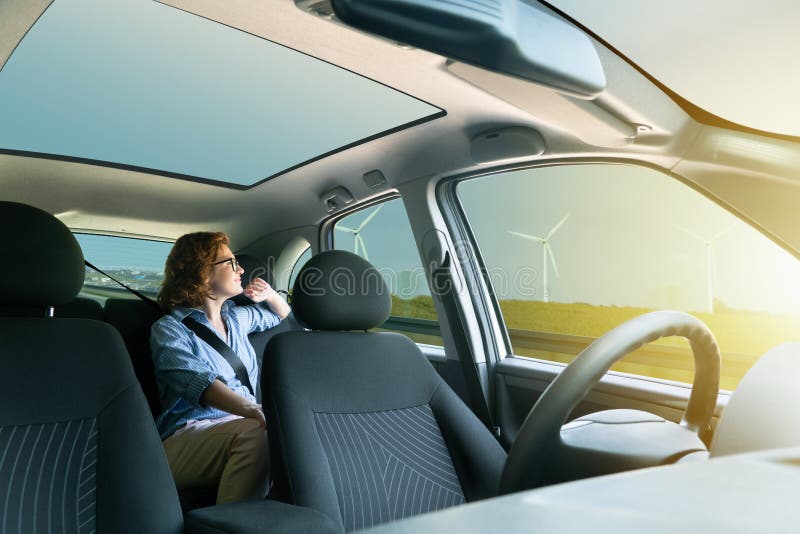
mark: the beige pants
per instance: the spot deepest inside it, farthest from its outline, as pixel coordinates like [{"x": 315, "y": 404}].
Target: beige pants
[{"x": 231, "y": 452}]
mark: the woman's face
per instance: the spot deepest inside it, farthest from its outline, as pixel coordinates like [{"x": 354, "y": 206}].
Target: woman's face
[{"x": 225, "y": 281}]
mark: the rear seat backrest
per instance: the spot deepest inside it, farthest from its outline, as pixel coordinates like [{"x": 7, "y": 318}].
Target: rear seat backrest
[
  {"x": 133, "y": 319},
  {"x": 79, "y": 308},
  {"x": 254, "y": 267}
]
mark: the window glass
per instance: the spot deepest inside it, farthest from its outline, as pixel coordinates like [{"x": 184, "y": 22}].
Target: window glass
[
  {"x": 139, "y": 263},
  {"x": 573, "y": 251},
  {"x": 382, "y": 235}
]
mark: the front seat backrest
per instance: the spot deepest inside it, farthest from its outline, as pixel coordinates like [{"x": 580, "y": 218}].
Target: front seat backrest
[
  {"x": 78, "y": 449},
  {"x": 362, "y": 428}
]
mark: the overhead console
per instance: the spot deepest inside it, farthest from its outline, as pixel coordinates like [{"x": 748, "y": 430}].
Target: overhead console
[{"x": 523, "y": 39}]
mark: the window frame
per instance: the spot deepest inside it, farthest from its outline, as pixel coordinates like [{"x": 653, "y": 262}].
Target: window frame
[{"x": 329, "y": 224}]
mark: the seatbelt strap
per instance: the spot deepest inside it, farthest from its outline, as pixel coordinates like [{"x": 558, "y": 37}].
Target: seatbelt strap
[
  {"x": 140, "y": 295},
  {"x": 468, "y": 366},
  {"x": 205, "y": 333},
  {"x": 202, "y": 331}
]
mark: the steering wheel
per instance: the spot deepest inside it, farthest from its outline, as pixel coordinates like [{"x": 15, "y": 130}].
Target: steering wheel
[{"x": 611, "y": 441}]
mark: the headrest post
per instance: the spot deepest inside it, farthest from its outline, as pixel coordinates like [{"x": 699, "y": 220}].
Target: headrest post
[{"x": 51, "y": 311}]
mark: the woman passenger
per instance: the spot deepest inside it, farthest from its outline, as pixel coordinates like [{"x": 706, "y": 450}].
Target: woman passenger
[{"x": 213, "y": 430}]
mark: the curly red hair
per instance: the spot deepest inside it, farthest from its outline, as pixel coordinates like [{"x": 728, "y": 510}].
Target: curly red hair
[{"x": 188, "y": 269}]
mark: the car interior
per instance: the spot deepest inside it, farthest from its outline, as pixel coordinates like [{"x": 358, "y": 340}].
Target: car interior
[{"x": 535, "y": 285}]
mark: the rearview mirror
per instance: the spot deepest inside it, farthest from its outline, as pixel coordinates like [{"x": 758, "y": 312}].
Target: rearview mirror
[{"x": 516, "y": 37}]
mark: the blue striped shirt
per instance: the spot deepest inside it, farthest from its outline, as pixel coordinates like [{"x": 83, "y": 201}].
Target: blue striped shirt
[{"x": 185, "y": 365}]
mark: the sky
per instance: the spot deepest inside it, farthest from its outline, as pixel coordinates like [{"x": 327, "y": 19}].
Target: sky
[
  {"x": 141, "y": 83},
  {"x": 734, "y": 58}
]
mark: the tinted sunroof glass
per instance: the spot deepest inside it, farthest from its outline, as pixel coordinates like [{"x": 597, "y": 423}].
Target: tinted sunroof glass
[{"x": 135, "y": 82}]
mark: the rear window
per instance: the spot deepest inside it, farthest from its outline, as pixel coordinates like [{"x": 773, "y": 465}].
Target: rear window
[{"x": 139, "y": 263}]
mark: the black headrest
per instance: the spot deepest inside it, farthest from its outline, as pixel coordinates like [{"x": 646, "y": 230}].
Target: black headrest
[
  {"x": 253, "y": 268},
  {"x": 338, "y": 290},
  {"x": 42, "y": 261}
]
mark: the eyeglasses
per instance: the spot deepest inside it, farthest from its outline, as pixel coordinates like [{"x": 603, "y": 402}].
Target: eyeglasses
[{"x": 232, "y": 261}]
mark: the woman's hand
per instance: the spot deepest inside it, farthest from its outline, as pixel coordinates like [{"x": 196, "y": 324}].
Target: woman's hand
[
  {"x": 260, "y": 291},
  {"x": 254, "y": 411},
  {"x": 220, "y": 396}
]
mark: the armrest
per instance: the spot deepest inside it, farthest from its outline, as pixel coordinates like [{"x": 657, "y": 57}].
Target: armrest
[{"x": 257, "y": 517}]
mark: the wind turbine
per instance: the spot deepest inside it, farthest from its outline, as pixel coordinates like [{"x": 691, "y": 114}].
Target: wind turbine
[
  {"x": 546, "y": 252},
  {"x": 359, "y": 241},
  {"x": 709, "y": 243}
]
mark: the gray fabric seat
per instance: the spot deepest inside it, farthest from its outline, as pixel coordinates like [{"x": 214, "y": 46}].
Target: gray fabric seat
[
  {"x": 362, "y": 428},
  {"x": 133, "y": 319},
  {"x": 81, "y": 308},
  {"x": 78, "y": 308},
  {"x": 78, "y": 448}
]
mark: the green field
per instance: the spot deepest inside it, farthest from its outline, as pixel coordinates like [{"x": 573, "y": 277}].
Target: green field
[{"x": 743, "y": 336}]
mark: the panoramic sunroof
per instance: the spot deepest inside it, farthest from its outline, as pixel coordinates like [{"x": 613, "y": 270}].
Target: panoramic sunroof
[{"x": 135, "y": 83}]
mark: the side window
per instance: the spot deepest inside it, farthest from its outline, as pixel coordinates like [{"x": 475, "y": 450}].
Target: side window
[
  {"x": 573, "y": 251},
  {"x": 139, "y": 263},
  {"x": 382, "y": 235}
]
